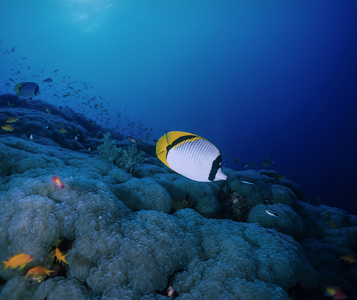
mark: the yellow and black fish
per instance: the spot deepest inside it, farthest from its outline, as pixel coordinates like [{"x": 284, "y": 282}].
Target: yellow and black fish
[
  {"x": 191, "y": 156},
  {"x": 27, "y": 89}
]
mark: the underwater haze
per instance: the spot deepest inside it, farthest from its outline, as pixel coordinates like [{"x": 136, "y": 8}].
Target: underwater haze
[
  {"x": 258, "y": 79},
  {"x": 154, "y": 150}
]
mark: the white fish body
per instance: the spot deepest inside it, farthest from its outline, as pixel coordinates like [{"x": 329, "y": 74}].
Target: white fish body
[
  {"x": 271, "y": 213},
  {"x": 247, "y": 182},
  {"x": 191, "y": 156}
]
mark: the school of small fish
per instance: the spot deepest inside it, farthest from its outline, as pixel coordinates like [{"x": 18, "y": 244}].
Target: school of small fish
[
  {"x": 78, "y": 95},
  {"x": 81, "y": 96}
]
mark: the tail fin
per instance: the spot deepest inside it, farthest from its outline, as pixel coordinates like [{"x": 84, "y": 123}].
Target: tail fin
[
  {"x": 5, "y": 264},
  {"x": 63, "y": 258}
]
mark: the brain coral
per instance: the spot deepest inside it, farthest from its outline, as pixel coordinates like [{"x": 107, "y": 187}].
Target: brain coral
[
  {"x": 143, "y": 194},
  {"x": 201, "y": 195},
  {"x": 124, "y": 244},
  {"x": 287, "y": 222}
]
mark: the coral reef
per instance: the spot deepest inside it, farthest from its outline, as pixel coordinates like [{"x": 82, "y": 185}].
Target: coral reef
[
  {"x": 131, "y": 233},
  {"x": 127, "y": 241},
  {"x": 126, "y": 159},
  {"x": 49, "y": 124}
]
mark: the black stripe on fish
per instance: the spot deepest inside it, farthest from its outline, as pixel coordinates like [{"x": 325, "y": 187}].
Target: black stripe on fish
[
  {"x": 216, "y": 164},
  {"x": 179, "y": 140}
]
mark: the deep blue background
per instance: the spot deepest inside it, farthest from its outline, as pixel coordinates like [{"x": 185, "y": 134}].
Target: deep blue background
[{"x": 257, "y": 78}]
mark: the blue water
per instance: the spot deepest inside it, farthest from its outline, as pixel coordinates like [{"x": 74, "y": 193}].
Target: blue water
[{"x": 259, "y": 79}]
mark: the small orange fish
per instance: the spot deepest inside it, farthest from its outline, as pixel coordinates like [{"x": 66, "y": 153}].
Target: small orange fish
[
  {"x": 12, "y": 120},
  {"x": 38, "y": 271},
  {"x": 58, "y": 182},
  {"x": 335, "y": 292},
  {"x": 59, "y": 256},
  {"x": 8, "y": 128},
  {"x": 348, "y": 259},
  {"x": 62, "y": 130},
  {"x": 20, "y": 259}
]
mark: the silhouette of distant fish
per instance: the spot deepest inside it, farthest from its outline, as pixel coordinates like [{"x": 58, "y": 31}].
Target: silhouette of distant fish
[
  {"x": 12, "y": 120},
  {"x": 131, "y": 139}
]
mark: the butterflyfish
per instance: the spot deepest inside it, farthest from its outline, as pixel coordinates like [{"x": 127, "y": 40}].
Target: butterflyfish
[
  {"x": 20, "y": 259},
  {"x": 191, "y": 156},
  {"x": 27, "y": 89}
]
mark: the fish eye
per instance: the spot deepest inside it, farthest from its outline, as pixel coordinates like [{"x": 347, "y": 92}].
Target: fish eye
[{"x": 30, "y": 257}]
